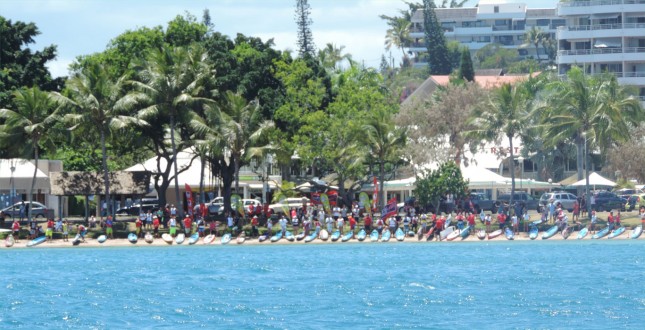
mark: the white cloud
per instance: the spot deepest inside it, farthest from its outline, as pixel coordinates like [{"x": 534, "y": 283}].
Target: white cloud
[{"x": 59, "y": 67}]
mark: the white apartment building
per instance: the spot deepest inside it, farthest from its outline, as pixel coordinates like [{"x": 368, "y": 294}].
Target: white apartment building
[
  {"x": 604, "y": 36},
  {"x": 490, "y": 22}
]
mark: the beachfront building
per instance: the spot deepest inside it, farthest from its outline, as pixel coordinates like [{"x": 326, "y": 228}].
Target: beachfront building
[
  {"x": 491, "y": 21},
  {"x": 604, "y": 36}
]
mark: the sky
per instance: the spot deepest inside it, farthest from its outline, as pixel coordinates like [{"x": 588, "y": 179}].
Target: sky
[{"x": 81, "y": 27}]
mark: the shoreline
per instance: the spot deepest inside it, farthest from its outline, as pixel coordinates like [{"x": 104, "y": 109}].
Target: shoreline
[{"x": 122, "y": 242}]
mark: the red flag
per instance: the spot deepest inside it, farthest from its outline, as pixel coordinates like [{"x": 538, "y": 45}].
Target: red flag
[
  {"x": 189, "y": 200},
  {"x": 389, "y": 209},
  {"x": 333, "y": 197}
]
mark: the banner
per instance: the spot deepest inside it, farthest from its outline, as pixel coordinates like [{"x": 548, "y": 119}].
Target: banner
[
  {"x": 189, "y": 200},
  {"x": 389, "y": 209},
  {"x": 237, "y": 204},
  {"x": 324, "y": 199},
  {"x": 315, "y": 199},
  {"x": 364, "y": 201},
  {"x": 333, "y": 197},
  {"x": 375, "y": 196}
]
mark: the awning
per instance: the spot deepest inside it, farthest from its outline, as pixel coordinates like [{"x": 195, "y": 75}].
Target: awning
[
  {"x": 604, "y": 16},
  {"x": 607, "y": 43}
]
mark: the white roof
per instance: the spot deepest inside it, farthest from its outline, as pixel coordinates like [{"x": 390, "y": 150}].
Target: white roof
[
  {"x": 190, "y": 176},
  {"x": 595, "y": 179},
  {"x": 22, "y": 175}
]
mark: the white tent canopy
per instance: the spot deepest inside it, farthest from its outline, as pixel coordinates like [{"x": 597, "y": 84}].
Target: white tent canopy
[
  {"x": 595, "y": 179},
  {"x": 22, "y": 175}
]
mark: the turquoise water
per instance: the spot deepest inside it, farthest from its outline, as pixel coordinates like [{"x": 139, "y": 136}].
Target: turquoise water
[{"x": 589, "y": 285}]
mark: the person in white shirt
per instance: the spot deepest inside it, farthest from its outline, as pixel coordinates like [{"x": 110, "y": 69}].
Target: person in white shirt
[
  {"x": 340, "y": 224},
  {"x": 328, "y": 222},
  {"x": 336, "y": 212},
  {"x": 283, "y": 224}
]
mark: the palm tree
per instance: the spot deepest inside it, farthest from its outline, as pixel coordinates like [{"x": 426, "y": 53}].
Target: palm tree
[
  {"x": 331, "y": 55},
  {"x": 507, "y": 112},
  {"x": 33, "y": 121},
  {"x": 99, "y": 107},
  {"x": 171, "y": 81},
  {"x": 534, "y": 37},
  {"x": 384, "y": 140},
  {"x": 398, "y": 34}
]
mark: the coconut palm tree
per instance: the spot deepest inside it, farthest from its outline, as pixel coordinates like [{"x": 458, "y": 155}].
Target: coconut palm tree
[
  {"x": 384, "y": 140},
  {"x": 331, "y": 55},
  {"x": 30, "y": 124},
  {"x": 398, "y": 34},
  {"x": 506, "y": 111},
  {"x": 99, "y": 107},
  {"x": 535, "y": 36},
  {"x": 172, "y": 82}
]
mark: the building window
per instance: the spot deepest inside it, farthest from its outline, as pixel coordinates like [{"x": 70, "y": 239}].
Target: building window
[
  {"x": 542, "y": 22},
  {"x": 496, "y": 9},
  {"x": 499, "y": 22}
]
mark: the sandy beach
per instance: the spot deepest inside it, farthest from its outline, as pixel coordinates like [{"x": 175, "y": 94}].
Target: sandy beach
[{"x": 91, "y": 242}]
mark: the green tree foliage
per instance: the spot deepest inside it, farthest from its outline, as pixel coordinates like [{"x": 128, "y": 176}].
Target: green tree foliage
[
  {"x": 306, "y": 47},
  {"x": 438, "y": 61},
  {"x": 20, "y": 66},
  {"x": 398, "y": 33},
  {"x": 506, "y": 112},
  {"x": 466, "y": 70},
  {"x": 534, "y": 37},
  {"x": 524, "y": 66},
  {"x": 31, "y": 124},
  {"x": 185, "y": 30},
  {"x": 494, "y": 56},
  {"x": 331, "y": 56},
  {"x": 432, "y": 185}
]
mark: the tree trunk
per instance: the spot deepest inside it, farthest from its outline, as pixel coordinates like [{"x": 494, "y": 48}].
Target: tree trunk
[
  {"x": 537, "y": 55},
  {"x": 381, "y": 177},
  {"x": 228, "y": 174},
  {"x": 512, "y": 168},
  {"x": 180, "y": 207},
  {"x": 202, "y": 197},
  {"x": 236, "y": 164},
  {"x": 106, "y": 179},
  {"x": 33, "y": 182},
  {"x": 580, "y": 150}
]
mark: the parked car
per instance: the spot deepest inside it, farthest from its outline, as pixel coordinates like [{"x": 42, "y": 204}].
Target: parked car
[
  {"x": 519, "y": 197},
  {"x": 626, "y": 193},
  {"x": 635, "y": 202},
  {"x": 216, "y": 205},
  {"x": 143, "y": 205},
  {"x": 481, "y": 202},
  {"x": 38, "y": 210},
  {"x": 566, "y": 199},
  {"x": 289, "y": 203},
  {"x": 607, "y": 201}
]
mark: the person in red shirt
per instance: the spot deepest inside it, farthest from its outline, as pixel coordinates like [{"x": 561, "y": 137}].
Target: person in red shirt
[
  {"x": 438, "y": 227},
  {"x": 254, "y": 226},
  {"x": 471, "y": 222},
  {"x": 352, "y": 223},
  {"x": 610, "y": 220},
  {"x": 16, "y": 229},
  {"x": 138, "y": 225},
  {"x": 501, "y": 219},
  {"x": 367, "y": 223},
  {"x": 50, "y": 230},
  {"x": 155, "y": 225},
  {"x": 617, "y": 219},
  {"x": 187, "y": 223}
]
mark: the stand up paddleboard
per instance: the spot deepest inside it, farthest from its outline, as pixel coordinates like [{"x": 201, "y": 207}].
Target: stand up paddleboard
[
  {"x": 209, "y": 239},
  {"x": 464, "y": 233},
  {"x": 361, "y": 235},
  {"x": 226, "y": 238},
  {"x": 444, "y": 233},
  {"x": 374, "y": 235},
  {"x": 566, "y": 232},
  {"x": 289, "y": 236},
  {"x": 167, "y": 238},
  {"x": 181, "y": 237},
  {"x": 533, "y": 232},
  {"x": 311, "y": 237},
  {"x": 481, "y": 234},
  {"x": 430, "y": 234},
  {"x": 347, "y": 236},
  {"x": 549, "y": 233},
  {"x": 495, "y": 234},
  {"x": 617, "y": 232},
  {"x": 101, "y": 239},
  {"x": 241, "y": 238},
  {"x": 335, "y": 235},
  {"x": 76, "y": 240},
  {"x": 36, "y": 241},
  {"x": 324, "y": 235},
  {"x": 132, "y": 238},
  {"x": 452, "y": 236},
  {"x": 148, "y": 238},
  {"x": 300, "y": 236},
  {"x": 386, "y": 235},
  {"x": 582, "y": 233},
  {"x": 9, "y": 241},
  {"x": 399, "y": 235},
  {"x": 601, "y": 233},
  {"x": 276, "y": 237},
  {"x": 193, "y": 239},
  {"x": 636, "y": 232}
]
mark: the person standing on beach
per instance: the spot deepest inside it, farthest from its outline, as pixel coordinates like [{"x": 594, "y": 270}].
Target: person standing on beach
[
  {"x": 155, "y": 226},
  {"x": 367, "y": 223},
  {"x": 283, "y": 224},
  {"x": 15, "y": 227},
  {"x": 392, "y": 224},
  {"x": 379, "y": 225},
  {"x": 139, "y": 224},
  {"x": 295, "y": 223},
  {"x": 270, "y": 227},
  {"x": 617, "y": 219},
  {"x": 438, "y": 227},
  {"x": 108, "y": 227},
  {"x": 340, "y": 223},
  {"x": 576, "y": 211},
  {"x": 610, "y": 220},
  {"x": 329, "y": 221},
  {"x": 187, "y": 224},
  {"x": 487, "y": 222},
  {"x": 254, "y": 226},
  {"x": 149, "y": 220},
  {"x": 352, "y": 223},
  {"x": 501, "y": 220},
  {"x": 65, "y": 231},
  {"x": 81, "y": 230},
  {"x": 229, "y": 222},
  {"x": 49, "y": 233},
  {"x": 471, "y": 222},
  {"x": 592, "y": 224},
  {"x": 172, "y": 223}
]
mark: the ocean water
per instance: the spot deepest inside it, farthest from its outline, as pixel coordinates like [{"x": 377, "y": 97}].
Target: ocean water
[{"x": 478, "y": 285}]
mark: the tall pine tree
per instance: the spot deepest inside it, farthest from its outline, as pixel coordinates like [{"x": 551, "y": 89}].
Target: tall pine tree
[
  {"x": 466, "y": 71},
  {"x": 305, "y": 37},
  {"x": 438, "y": 60}
]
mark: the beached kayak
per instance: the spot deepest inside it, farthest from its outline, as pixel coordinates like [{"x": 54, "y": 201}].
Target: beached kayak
[
  {"x": 289, "y": 236},
  {"x": 263, "y": 238},
  {"x": 226, "y": 238},
  {"x": 101, "y": 239},
  {"x": 276, "y": 237},
  {"x": 481, "y": 234},
  {"x": 149, "y": 238},
  {"x": 464, "y": 233},
  {"x": 311, "y": 237},
  {"x": 9, "y": 241},
  {"x": 420, "y": 233},
  {"x": 167, "y": 238},
  {"x": 374, "y": 235},
  {"x": 550, "y": 232},
  {"x": 132, "y": 238},
  {"x": 324, "y": 235},
  {"x": 566, "y": 232},
  {"x": 430, "y": 234},
  {"x": 495, "y": 234},
  {"x": 601, "y": 233},
  {"x": 181, "y": 237},
  {"x": 399, "y": 235},
  {"x": 444, "y": 233},
  {"x": 452, "y": 236},
  {"x": 208, "y": 239},
  {"x": 583, "y": 233},
  {"x": 347, "y": 236},
  {"x": 335, "y": 235},
  {"x": 241, "y": 238},
  {"x": 77, "y": 240},
  {"x": 361, "y": 235},
  {"x": 300, "y": 236},
  {"x": 617, "y": 232},
  {"x": 533, "y": 232},
  {"x": 193, "y": 239},
  {"x": 36, "y": 241},
  {"x": 636, "y": 232},
  {"x": 386, "y": 235},
  {"x": 508, "y": 232}
]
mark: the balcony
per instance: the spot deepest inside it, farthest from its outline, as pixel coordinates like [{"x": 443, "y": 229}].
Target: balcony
[
  {"x": 572, "y": 8},
  {"x": 598, "y": 55},
  {"x": 601, "y": 31}
]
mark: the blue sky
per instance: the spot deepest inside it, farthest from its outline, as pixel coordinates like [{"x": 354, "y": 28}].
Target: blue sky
[{"x": 80, "y": 27}]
